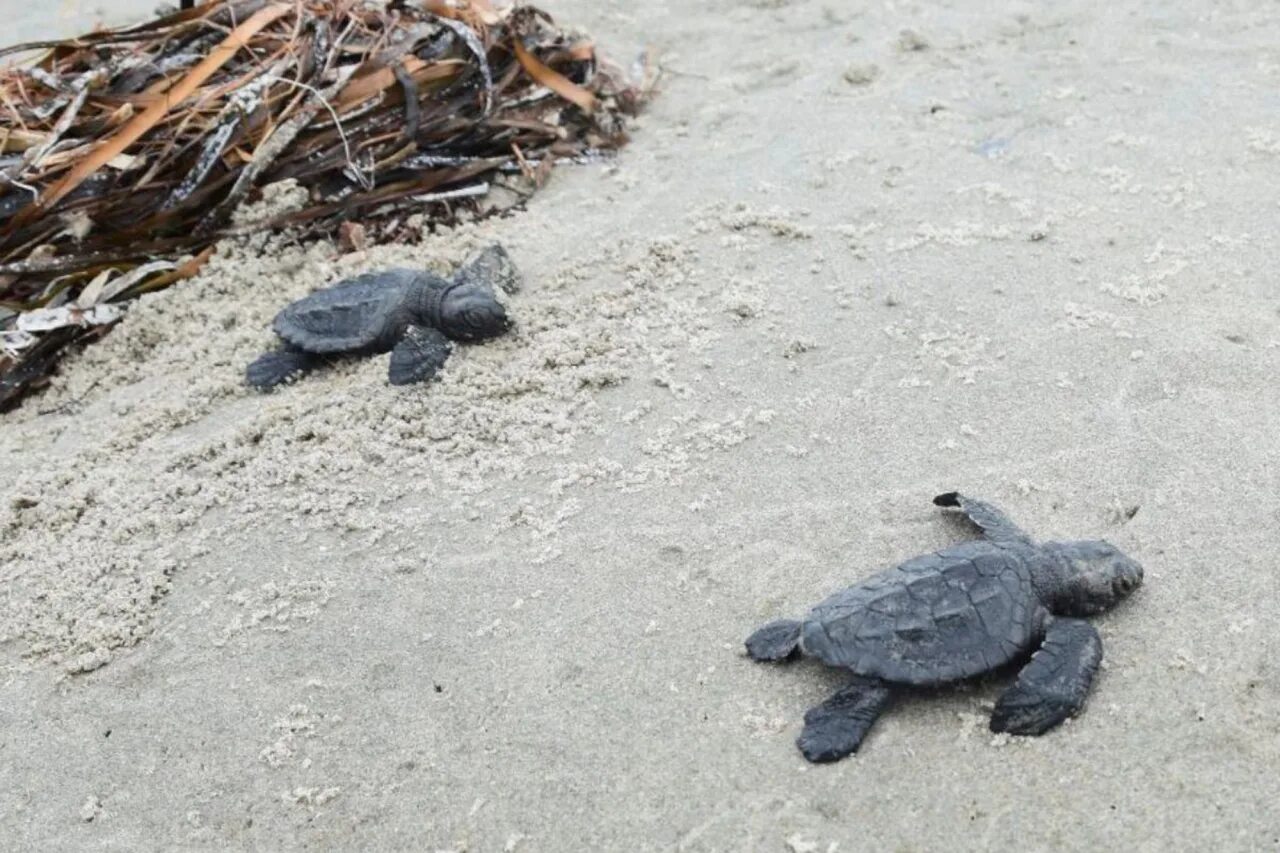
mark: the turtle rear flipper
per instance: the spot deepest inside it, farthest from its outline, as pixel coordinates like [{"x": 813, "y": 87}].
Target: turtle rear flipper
[
  {"x": 419, "y": 356},
  {"x": 279, "y": 366},
  {"x": 836, "y": 728},
  {"x": 1053, "y": 686},
  {"x": 775, "y": 641}
]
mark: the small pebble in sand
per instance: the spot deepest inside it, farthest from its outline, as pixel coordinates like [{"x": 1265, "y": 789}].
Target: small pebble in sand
[
  {"x": 798, "y": 346},
  {"x": 910, "y": 41},
  {"x": 91, "y": 809},
  {"x": 88, "y": 662},
  {"x": 861, "y": 73},
  {"x": 799, "y": 844},
  {"x": 313, "y": 796}
]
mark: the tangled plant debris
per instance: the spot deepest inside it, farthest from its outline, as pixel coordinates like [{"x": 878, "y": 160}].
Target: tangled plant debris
[{"x": 124, "y": 154}]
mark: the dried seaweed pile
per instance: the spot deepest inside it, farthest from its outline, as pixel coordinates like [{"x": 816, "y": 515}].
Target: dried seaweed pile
[{"x": 123, "y": 154}]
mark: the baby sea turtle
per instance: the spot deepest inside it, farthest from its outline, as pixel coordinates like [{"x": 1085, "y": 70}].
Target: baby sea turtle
[
  {"x": 962, "y": 611},
  {"x": 414, "y": 314}
]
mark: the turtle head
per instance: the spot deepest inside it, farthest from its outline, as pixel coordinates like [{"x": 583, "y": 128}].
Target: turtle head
[
  {"x": 471, "y": 312},
  {"x": 1096, "y": 575}
]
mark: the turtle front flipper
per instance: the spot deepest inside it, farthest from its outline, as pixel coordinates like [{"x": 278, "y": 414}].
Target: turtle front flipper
[
  {"x": 997, "y": 526},
  {"x": 775, "y": 641},
  {"x": 1054, "y": 684},
  {"x": 419, "y": 356},
  {"x": 491, "y": 267},
  {"x": 278, "y": 366},
  {"x": 837, "y": 727}
]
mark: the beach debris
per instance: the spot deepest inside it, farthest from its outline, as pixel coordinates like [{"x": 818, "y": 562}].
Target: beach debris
[
  {"x": 123, "y": 149},
  {"x": 960, "y": 612},
  {"x": 47, "y": 319},
  {"x": 413, "y": 314}
]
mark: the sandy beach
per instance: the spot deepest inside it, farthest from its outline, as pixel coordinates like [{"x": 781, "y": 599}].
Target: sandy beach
[{"x": 856, "y": 254}]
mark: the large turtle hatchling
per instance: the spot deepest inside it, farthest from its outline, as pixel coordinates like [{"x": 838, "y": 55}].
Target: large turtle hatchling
[
  {"x": 960, "y": 612},
  {"x": 414, "y": 314}
]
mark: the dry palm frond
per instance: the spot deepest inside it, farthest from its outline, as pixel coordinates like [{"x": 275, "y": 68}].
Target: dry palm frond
[{"x": 123, "y": 154}]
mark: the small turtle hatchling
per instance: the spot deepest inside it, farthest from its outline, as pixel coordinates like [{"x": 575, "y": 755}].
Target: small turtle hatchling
[
  {"x": 960, "y": 612},
  {"x": 414, "y": 314}
]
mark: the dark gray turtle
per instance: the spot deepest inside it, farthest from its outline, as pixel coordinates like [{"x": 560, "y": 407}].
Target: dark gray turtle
[
  {"x": 960, "y": 612},
  {"x": 414, "y": 314}
]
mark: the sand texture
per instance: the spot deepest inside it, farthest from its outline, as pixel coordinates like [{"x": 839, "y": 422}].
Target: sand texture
[{"x": 857, "y": 254}]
